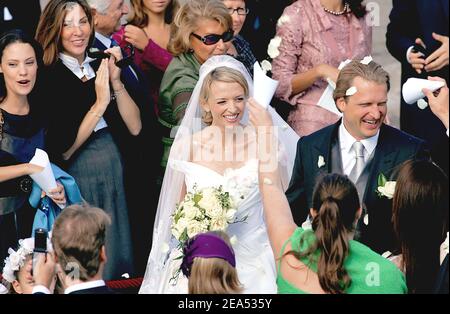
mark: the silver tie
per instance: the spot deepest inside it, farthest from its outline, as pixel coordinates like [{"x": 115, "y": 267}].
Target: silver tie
[{"x": 358, "y": 149}]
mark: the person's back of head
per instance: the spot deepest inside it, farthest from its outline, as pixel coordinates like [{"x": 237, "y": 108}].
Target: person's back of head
[
  {"x": 335, "y": 211},
  {"x": 420, "y": 218},
  {"x": 209, "y": 263},
  {"x": 78, "y": 238}
]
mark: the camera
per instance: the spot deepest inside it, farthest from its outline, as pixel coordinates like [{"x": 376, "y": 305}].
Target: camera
[
  {"x": 127, "y": 52},
  {"x": 40, "y": 245},
  {"x": 419, "y": 49}
]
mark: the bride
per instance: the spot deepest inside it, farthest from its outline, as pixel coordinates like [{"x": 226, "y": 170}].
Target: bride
[{"x": 215, "y": 146}]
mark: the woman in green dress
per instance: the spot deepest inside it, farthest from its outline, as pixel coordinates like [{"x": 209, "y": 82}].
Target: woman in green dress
[
  {"x": 201, "y": 29},
  {"x": 323, "y": 259}
]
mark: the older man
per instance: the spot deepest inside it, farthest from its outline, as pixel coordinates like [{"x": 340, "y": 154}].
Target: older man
[
  {"x": 140, "y": 173},
  {"x": 360, "y": 146}
]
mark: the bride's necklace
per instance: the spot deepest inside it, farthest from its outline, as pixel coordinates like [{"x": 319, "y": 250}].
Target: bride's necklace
[{"x": 337, "y": 13}]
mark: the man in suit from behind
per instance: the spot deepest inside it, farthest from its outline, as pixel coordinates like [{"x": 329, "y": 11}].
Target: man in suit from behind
[
  {"x": 360, "y": 146},
  {"x": 425, "y": 23},
  {"x": 78, "y": 240},
  {"x": 140, "y": 175}
]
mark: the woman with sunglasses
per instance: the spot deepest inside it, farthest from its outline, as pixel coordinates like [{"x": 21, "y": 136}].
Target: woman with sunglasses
[
  {"x": 316, "y": 36},
  {"x": 149, "y": 32},
  {"x": 87, "y": 107},
  {"x": 201, "y": 29},
  {"x": 239, "y": 47}
]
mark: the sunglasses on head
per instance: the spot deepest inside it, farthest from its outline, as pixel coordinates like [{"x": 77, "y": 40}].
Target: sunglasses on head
[{"x": 214, "y": 38}]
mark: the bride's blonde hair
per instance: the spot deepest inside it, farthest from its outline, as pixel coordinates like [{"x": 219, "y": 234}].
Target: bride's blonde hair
[{"x": 220, "y": 74}]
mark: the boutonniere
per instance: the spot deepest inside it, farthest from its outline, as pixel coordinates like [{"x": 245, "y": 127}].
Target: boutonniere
[
  {"x": 385, "y": 188},
  {"x": 320, "y": 162}
]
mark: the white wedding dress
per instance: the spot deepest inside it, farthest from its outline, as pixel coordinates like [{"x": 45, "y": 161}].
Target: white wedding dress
[{"x": 255, "y": 262}]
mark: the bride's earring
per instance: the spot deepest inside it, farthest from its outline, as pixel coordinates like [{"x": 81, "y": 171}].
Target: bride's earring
[{"x": 207, "y": 117}]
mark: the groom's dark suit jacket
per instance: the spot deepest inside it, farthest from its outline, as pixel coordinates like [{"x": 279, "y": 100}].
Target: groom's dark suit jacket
[{"x": 393, "y": 148}]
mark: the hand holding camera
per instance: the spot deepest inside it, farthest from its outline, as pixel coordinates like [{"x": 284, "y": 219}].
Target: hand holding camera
[
  {"x": 417, "y": 56},
  {"x": 43, "y": 267}
]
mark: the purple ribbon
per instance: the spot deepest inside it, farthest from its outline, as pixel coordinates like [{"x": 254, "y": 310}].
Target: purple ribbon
[{"x": 206, "y": 245}]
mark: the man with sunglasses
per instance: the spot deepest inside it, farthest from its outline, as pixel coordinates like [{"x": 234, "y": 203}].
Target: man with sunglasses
[
  {"x": 139, "y": 174},
  {"x": 240, "y": 48}
]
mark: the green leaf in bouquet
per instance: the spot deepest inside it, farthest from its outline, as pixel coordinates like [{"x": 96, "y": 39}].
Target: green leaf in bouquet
[{"x": 197, "y": 198}]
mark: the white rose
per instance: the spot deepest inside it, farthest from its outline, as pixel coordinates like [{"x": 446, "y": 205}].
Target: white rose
[
  {"x": 219, "y": 224},
  {"x": 190, "y": 210},
  {"x": 274, "y": 44},
  {"x": 388, "y": 189},
  {"x": 209, "y": 200},
  {"x": 196, "y": 227}
]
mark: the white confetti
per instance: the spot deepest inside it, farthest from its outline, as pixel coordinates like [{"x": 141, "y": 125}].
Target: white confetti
[
  {"x": 422, "y": 104},
  {"x": 351, "y": 91}
]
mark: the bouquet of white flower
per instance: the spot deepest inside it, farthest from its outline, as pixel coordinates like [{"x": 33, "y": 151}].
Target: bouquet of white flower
[{"x": 209, "y": 209}]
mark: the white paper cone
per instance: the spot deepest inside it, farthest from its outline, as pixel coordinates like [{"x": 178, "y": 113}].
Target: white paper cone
[
  {"x": 412, "y": 89},
  {"x": 45, "y": 179},
  {"x": 326, "y": 101},
  {"x": 263, "y": 86}
]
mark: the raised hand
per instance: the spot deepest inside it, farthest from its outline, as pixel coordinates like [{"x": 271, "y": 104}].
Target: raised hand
[
  {"x": 102, "y": 85},
  {"x": 114, "y": 71},
  {"x": 326, "y": 71},
  {"x": 136, "y": 36}
]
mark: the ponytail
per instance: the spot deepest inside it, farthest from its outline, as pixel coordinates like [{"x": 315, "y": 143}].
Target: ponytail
[
  {"x": 332, "y": 238},
  {"x": 336, "y": 203}
]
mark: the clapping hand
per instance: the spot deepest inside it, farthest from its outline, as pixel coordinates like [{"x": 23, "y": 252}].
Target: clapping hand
[
  {"x": 115, "y": 56},
  {"x": 102, "y": 85}
]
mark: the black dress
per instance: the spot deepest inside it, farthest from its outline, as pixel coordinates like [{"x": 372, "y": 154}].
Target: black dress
[
  {"x": 20, "y": 137},
  {"x": 97, "y": 165}
]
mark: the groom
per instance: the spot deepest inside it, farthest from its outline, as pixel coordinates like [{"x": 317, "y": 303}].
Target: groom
[{"x": 360, "y": 146}]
